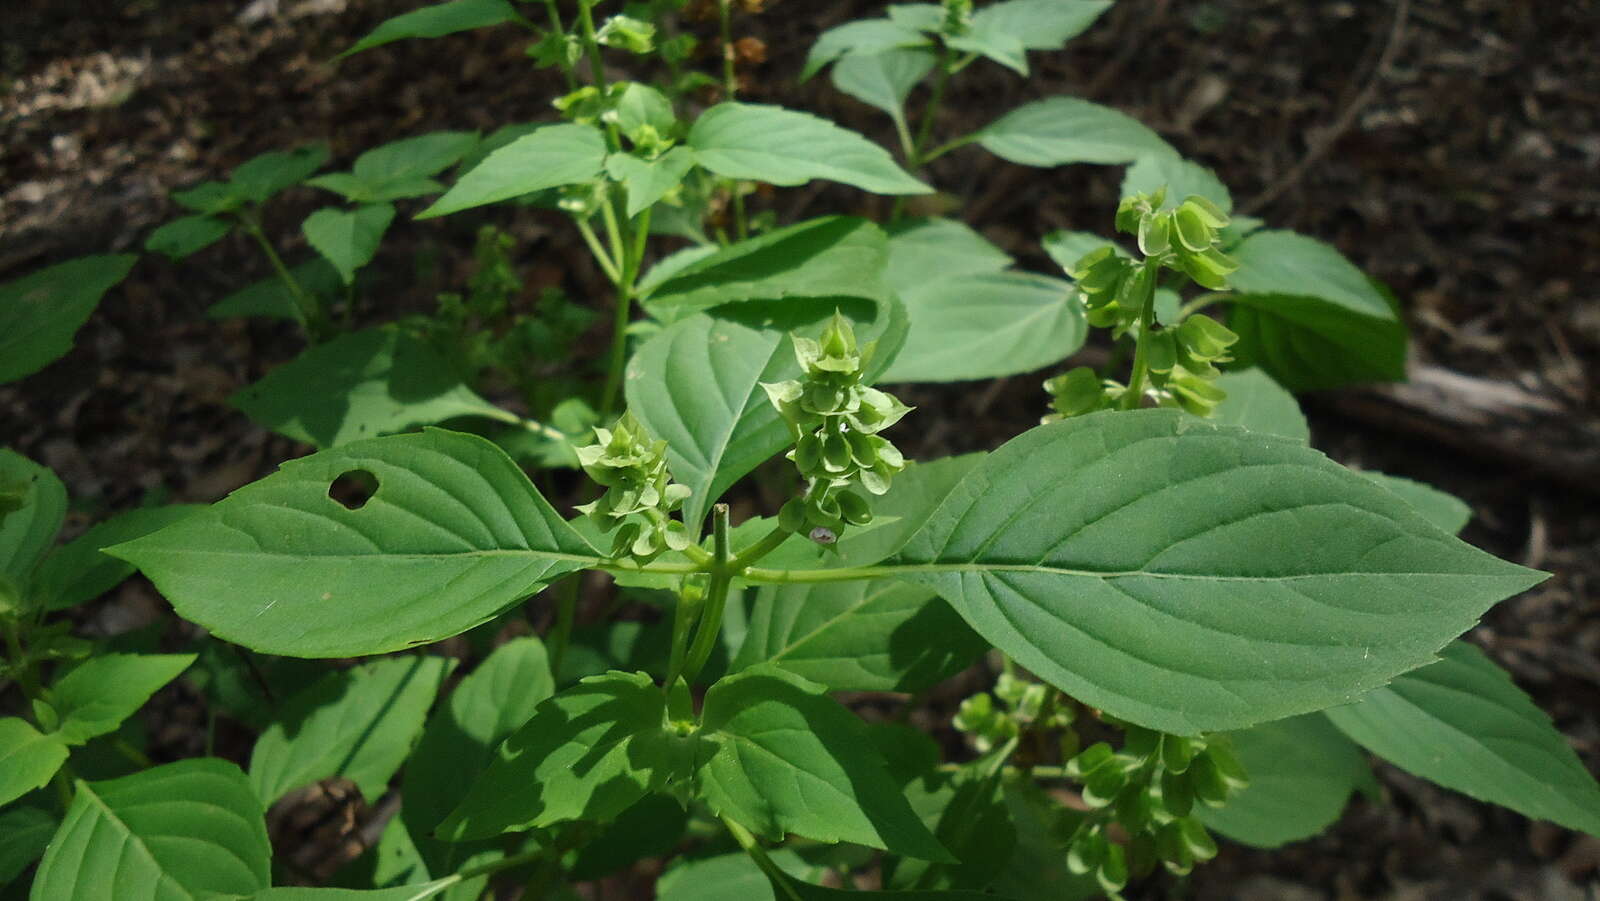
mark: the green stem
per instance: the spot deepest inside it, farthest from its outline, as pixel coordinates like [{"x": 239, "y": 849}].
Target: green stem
[
  {"x": 730, "y": 77},
  {"x": 591, "y": 46},
  {"x": 600, "y": 256},
  {"x": 632, "y": 259},
  {"x": 26, "y": 678},
  {"x": 1141, "y": 353},
  {"x": 780, "y": 879},
  {"x": 1200, "y": 303},
  {"x": 705, "y": 638},
  {"x": 566, "y": 616},
  {"x": 561, "y": 29},
  {"x": 134, "y": 755},
  {"x": 684, "y": 617},
  {"x": 505, "y": 863},
  {"x": 765, "y": 546},
  {"x": 931, "y": 111},
  {"x": 306, "y": 307}
]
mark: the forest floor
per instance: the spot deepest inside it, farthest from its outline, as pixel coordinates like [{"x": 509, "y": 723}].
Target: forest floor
[{"x": 1449, "y": 147}]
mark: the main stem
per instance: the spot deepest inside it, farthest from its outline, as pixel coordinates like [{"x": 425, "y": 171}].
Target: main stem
[
  {"x": 627, "y": 282},
  {"x": 722, "y": 572},
  {"x": 1141, "y": 354}
]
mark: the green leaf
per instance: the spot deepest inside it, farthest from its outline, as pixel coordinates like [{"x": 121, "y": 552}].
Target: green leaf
[
  {"x": 24, "y": 833},
  {"x": 548, "y": 157},
  {"x": 1005, "y": 49},
  {"x": 1259, "y": 404},
  {"x": 1037, "y": 870},
  {"x": 967, "y": 812},
  {"x": 835, "y": 256},
  {"x": 191, "y": 829},
  {"x": 653, "y": 827},
  {"x": 437, "y": 21},
  {"x": 1066, "y": 248},
  {"x": 1302, "y": 771},
  {"x": 188, "y": 235},
  {"x": 805, "y": 891},
  {"x": 859, "y": 636},
  {"x": 1445, "y": 511},
  {"x": 418, "y": 892},
  {"x": 1462, "y": 722},
  {"x": 28, "y": 532},
  {"x": 361, "y": 385},
  {"x": 697, "y": 384},
  {"x": 27, "y": 759},
  {"x": 258, "y": 179},
  {"x": 271, "y": 298},
  {"x": 1190, "y": 577},
  {"x": 884, "y": 80},
  {"x": 349, "y": 239},
  {"x": 726, "y": 877},
  {"x": 414, "y": 158},
  {"x": 784, "y": 757},
  {"x": 1309, "y": 318},
  {"x": 1039, "y": 24},
  {"x": 1181, "y": 177},
  {"x": 784, "y": 147},
  {"x": 77, "y": 572},
  {"x": 355, "y": 724},
  {"x": 454, "y": 534},
  {"x": 103, "y": 691},
  {"x": 41, "y": 312},
  {"x": 648, "y": 181},
  {"x": 588, "y": 753},
  {"x": 1062, "y": 130},
  {"x": 927, "y": 250},
  {"x": 986, "y": 326},
  {"x": 864, "y": 38}
]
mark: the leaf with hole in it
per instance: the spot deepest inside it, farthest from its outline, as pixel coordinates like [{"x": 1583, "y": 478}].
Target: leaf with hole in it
[
  {"x": 786, "y": 148},
  {"x": 1446, "y": 511},
  {"x": 256, "y": 180},
  {"x": 27, "y": 758},
  {"x": 77, "y": 572},
  {"x": 647, "y": 181},
  {"x": 348, "y": 239},
  {"x": 1064, "y": 130},
  {"x": 1302, "y": 771},
  {"x": 41, "y": 312},
  {"x": 361, "y": 385},
  {"x": 986, "y": 326},
  {"x": 835, "y": 256},
  {"x": 454, "y": 534},
  {"x": 355, "y": 724},
  {"x": 191, "y": 829},
  {"x": 1259, "y": 404},
  {"x": 781, "y": 756},
  {"x": 1181, "y": 178},
  {"x": 588, "y": 753},
  {"x": 859, "y": 636},
  {"x": 459, "y": 743},
  {"x": 1190, "y": 577},
  {"x": 103, "y": 691},
  {"x": 548, "y": 157},
  {"x": 24, "y": 833},
  {"x": 884, "y": 80},
  {"x": 28, "y": 531},
  {"x": 1309, "y": 318},
  {"x": 436, "y": 21},
  {"x": 189, "y": 235},
  {"x": 272, "y": 298},
  {"x": 1462, "y": 723}
]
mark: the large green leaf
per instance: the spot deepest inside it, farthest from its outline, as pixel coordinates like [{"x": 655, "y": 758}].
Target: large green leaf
[
  {"x": 781, "y": 756},
  {"x": 866, "y": 37},
  {"x": 191, "y": 829},
  {"x": 784, "y": 147},
  {"x": 1463, "y": 723},
  {"x": 1063, "y": 130},
  {"x": 27, "y": 758},
  {"x": 1189, "y": 577},
  {"x": 454, "y": 534},
  {"x": 1302, "y": 771},
  {"x": 548, "y": 157},
  {"x": 28, "y": 532},
  {"x": 361, "y": 385},
  {"x": 101, "y": 692},
  {"x": 884, "y": 80},
  {"x": 40, "y": 313},
  {"x": 859, "y": 636},
  {"x": 77, "y": 572},
  {"x": 349, "y": 239},
  {"x": 1039, "y": 24},
  {"x": 588, "y": 753},
  {"x": 24, "y": 833},
  {"x": 1446, "y": 511},
  {"x": 1258, "y": 403},
  {"x": 400, "y": 169},
  {"x": 355, "y": 724},
  {"x": 437, "y": 21},
  {"x": 986, "y": 326},
  {"x": 697, "y": 384},
  {"x": 1309, "y": 317},
  {"x": 272, "y": 299},
  {"x": 927, "y": 250},
  {"x": 835, "y": 256}
]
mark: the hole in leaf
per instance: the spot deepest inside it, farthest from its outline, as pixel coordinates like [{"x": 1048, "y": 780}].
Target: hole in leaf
[{"x": 354, "y": 488}]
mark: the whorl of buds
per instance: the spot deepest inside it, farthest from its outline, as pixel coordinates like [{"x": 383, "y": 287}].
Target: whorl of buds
[
  {"x": 639, "y": 491},
  {"x": 835, "y": 421}
]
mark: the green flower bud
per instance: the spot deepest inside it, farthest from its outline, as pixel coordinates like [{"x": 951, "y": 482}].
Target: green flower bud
[
  {"x": 1205, "y": 338},
  {"x": 627, "y": 33},
  {"x": 1155, "y": 234},
  {"x": 1087, "y": 850},
  {"x": 1113, "y": 872}
]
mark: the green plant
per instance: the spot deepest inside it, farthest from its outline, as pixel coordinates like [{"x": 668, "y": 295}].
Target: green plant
[{"x": 1200, "y": 621}]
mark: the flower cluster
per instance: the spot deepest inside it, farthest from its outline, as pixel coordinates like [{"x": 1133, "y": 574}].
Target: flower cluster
[
  {"x": 835, "y": 421},
  {"x": 639, "y": 491}
]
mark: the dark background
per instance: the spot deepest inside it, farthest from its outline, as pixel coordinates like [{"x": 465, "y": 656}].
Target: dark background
[{"x": 1449, "y": 147}]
